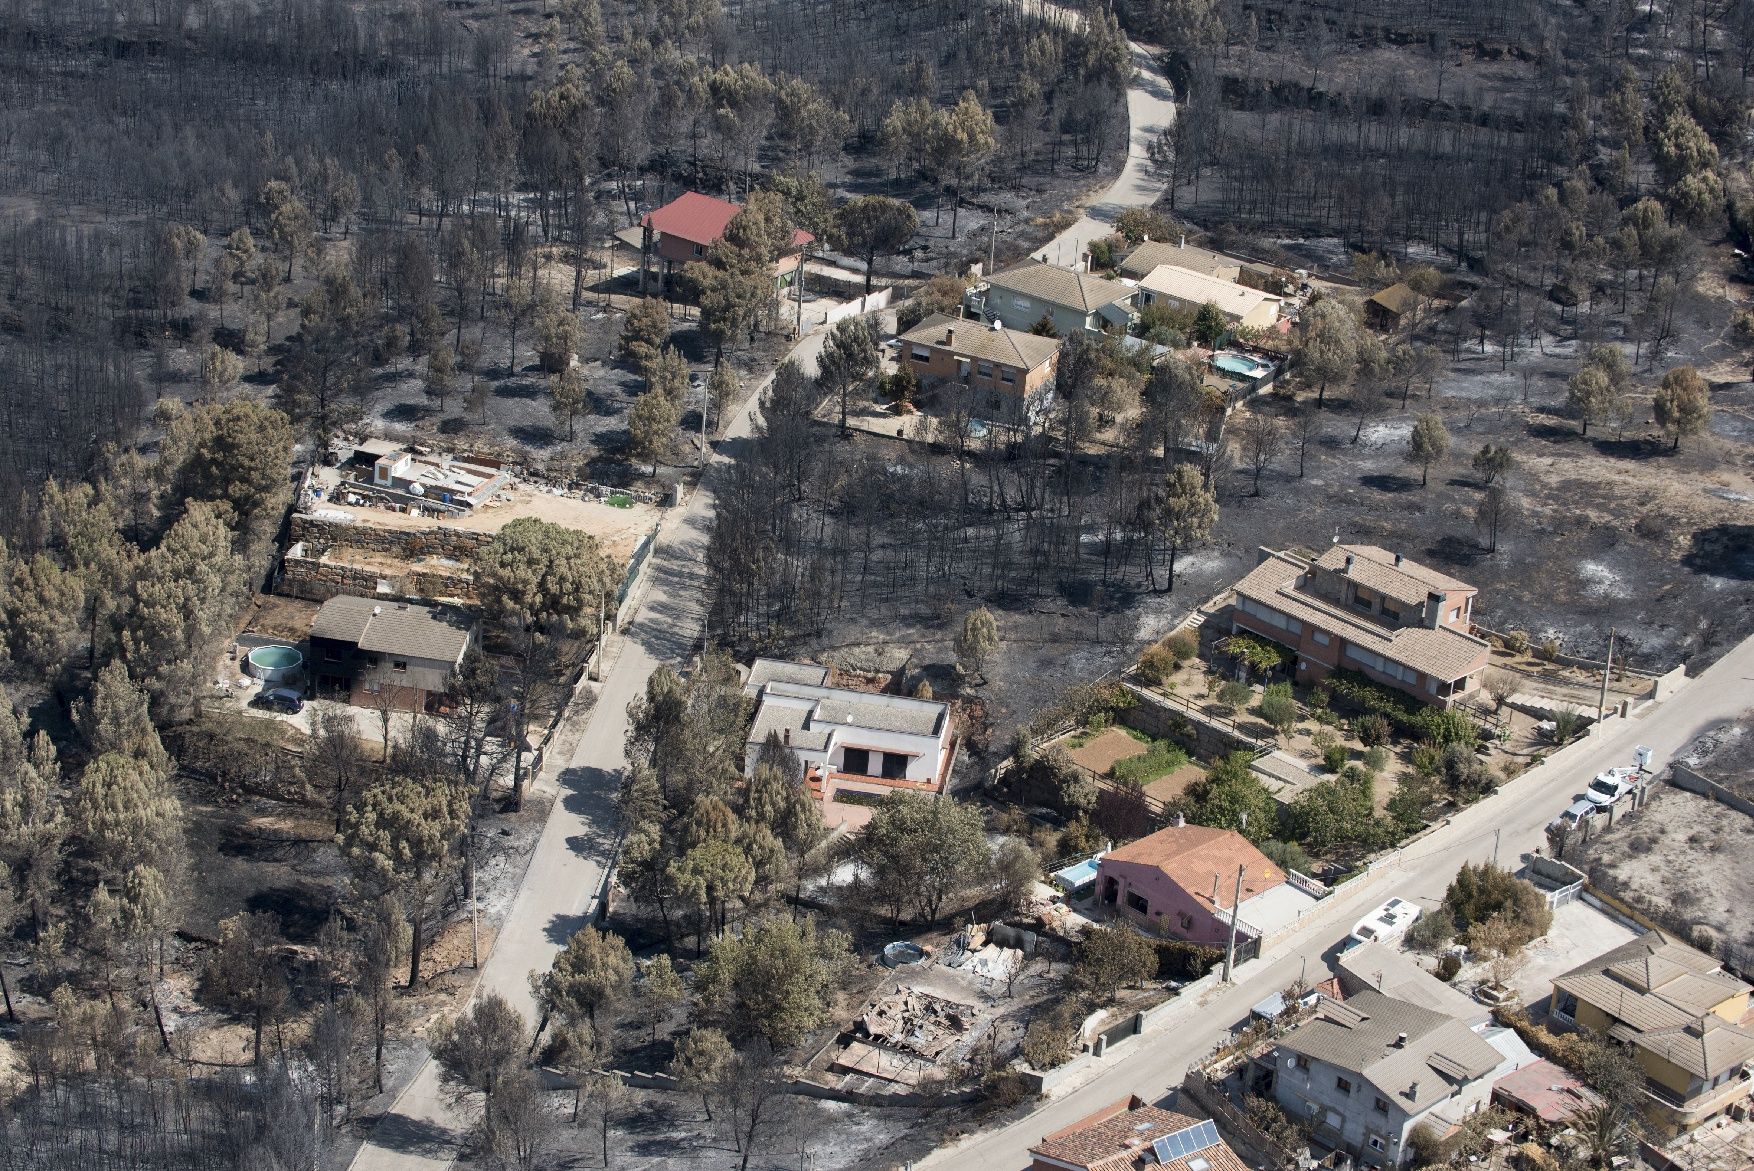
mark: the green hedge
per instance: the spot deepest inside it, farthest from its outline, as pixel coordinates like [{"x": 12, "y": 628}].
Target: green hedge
[
  {"x": 1409, "y": 716},
  {"x": 1162, "y": 759}
]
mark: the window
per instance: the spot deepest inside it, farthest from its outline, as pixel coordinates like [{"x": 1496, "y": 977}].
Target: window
[
  {"x": 894, "y": 765},
  {"x": 922, "y": 354},
  {"x": 1344, "y": 1086},
  {"x": 1382, "y": 1107},
  {"x": 985, "y": 370},
  {"x": 1187, "y": 920},
  {"x": 856, "y": 760},
  {"x": 1136, "y": 901},
  {"x": 1376, "y": 1144},
  {"x": 400, "y": 666},
  {"x": 1322, "y": 639},
  {"x": 1021, "y": 302},
  {"x": 1007, "y": 375},
  {"x": 699, "y": 251}
]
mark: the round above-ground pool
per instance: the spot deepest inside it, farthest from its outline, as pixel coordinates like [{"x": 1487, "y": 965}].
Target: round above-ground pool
[{"x": 273, "y": 663}]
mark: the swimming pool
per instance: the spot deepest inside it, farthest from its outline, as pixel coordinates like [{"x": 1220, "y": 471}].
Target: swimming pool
[{"x": 1241, "y": 365}]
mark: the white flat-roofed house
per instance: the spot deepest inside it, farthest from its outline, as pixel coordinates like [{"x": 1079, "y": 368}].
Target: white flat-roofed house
[{"x": 849, "y": 741}]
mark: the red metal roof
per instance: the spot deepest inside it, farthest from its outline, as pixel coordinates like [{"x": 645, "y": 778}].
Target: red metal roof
[{"x": 701, "y": 219}]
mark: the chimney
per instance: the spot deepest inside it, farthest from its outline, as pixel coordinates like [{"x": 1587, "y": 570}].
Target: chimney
[
  {"x": 1398, "y": 559},
  {"x": 1214, "y": 890},
  {"x": 1178, "y": 821},
  {"x": 1349, "y": 560},
  {"x": 1401, "y": 1041},
  {"x": 788, "y": 734},
  {"x": 1433, "y": 609},
  {"x": 1413, "y": 1091},
  {"x": 950, "y": 335},
  {"x": 1184, "y": 242}
]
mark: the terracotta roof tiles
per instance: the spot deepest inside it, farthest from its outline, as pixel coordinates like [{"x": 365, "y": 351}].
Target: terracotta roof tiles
[
  {"x": 1191, "y": 854},
  {"x": 1119, "y": 1136}
]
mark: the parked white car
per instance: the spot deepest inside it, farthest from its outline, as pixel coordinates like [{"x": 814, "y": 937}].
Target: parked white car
[
  {"x": 1386, "y": 924},
  {"x": 1577, "y": 813},
  {"x": 1610, "y": 786}
]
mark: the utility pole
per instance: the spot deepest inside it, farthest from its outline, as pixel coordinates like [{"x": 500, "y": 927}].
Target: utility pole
[
  {"x": 803, "y": 260},
  {"x": 706, "y": 391},
  {"x": 1607, "y": 670},
  {"x": 1230, "y": 943},
  {"x": 1495, "y": 834}
]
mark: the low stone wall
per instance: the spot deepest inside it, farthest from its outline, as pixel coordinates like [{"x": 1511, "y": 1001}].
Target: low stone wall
[
  {"x": 316, "y": 580},
  {"x": 1165, "y": 719},
  {"x": 409, "y": 544}
]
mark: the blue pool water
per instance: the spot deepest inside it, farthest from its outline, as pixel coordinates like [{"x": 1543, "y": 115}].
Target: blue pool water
[
  {"x": 1077, "y": 875},
  {"x": 1240, "y": 365}
]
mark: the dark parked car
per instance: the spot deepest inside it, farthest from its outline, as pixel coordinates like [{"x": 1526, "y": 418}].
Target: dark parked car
[{"x": 281, "y": 699}]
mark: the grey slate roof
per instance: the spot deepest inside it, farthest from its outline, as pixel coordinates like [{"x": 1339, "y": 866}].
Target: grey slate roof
[
  {"x": 765, "y": 671},
  {"x": 1662, "y": 992},
  {"x": 773, "y": 717},
  {"x": 913, "y": 717},
  {"x": 394, "y": 628},
  {"x": 1361, "y": 1036}
]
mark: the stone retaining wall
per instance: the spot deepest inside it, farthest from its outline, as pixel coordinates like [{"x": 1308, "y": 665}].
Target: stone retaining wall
[
  {"x": 317, "y": 580},
  {"x": 409, "y": 544}
]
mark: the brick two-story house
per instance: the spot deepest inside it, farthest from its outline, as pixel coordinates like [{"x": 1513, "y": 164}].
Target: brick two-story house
[
  {"x": 1365, "y": 609},
  {"x": 1005, "y": 368}
]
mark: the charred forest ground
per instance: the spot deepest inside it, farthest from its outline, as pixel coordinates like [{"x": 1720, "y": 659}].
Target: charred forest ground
[{"x": 1613, "y": 531}]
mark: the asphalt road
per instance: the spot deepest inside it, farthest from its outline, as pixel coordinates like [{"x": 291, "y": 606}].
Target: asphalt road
[
  {"x": 559, "y": 890},
  {"x": 1512, "y": 823}
]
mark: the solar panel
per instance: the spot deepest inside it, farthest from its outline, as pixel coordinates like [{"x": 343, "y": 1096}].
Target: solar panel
[{"x": 1187, "y": 1141}]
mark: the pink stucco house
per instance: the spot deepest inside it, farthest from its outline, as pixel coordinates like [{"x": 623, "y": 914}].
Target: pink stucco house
[{"x": 1176, "y": 881}]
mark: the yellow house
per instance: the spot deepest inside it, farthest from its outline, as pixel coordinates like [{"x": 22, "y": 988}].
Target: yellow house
[{"x": 1681, "y": 1013}]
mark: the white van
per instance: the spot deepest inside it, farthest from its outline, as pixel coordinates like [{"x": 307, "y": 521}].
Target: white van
[{"x": 1387, "y": 924}]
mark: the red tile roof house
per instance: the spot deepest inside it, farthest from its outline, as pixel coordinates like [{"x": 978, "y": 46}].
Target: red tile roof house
[
  {"x": 1120, "y": 1137},
  {"x": 1180, "y": 881},
  {"x": 686, "y": 227},
  {"x": 1365, "y": 609}
]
